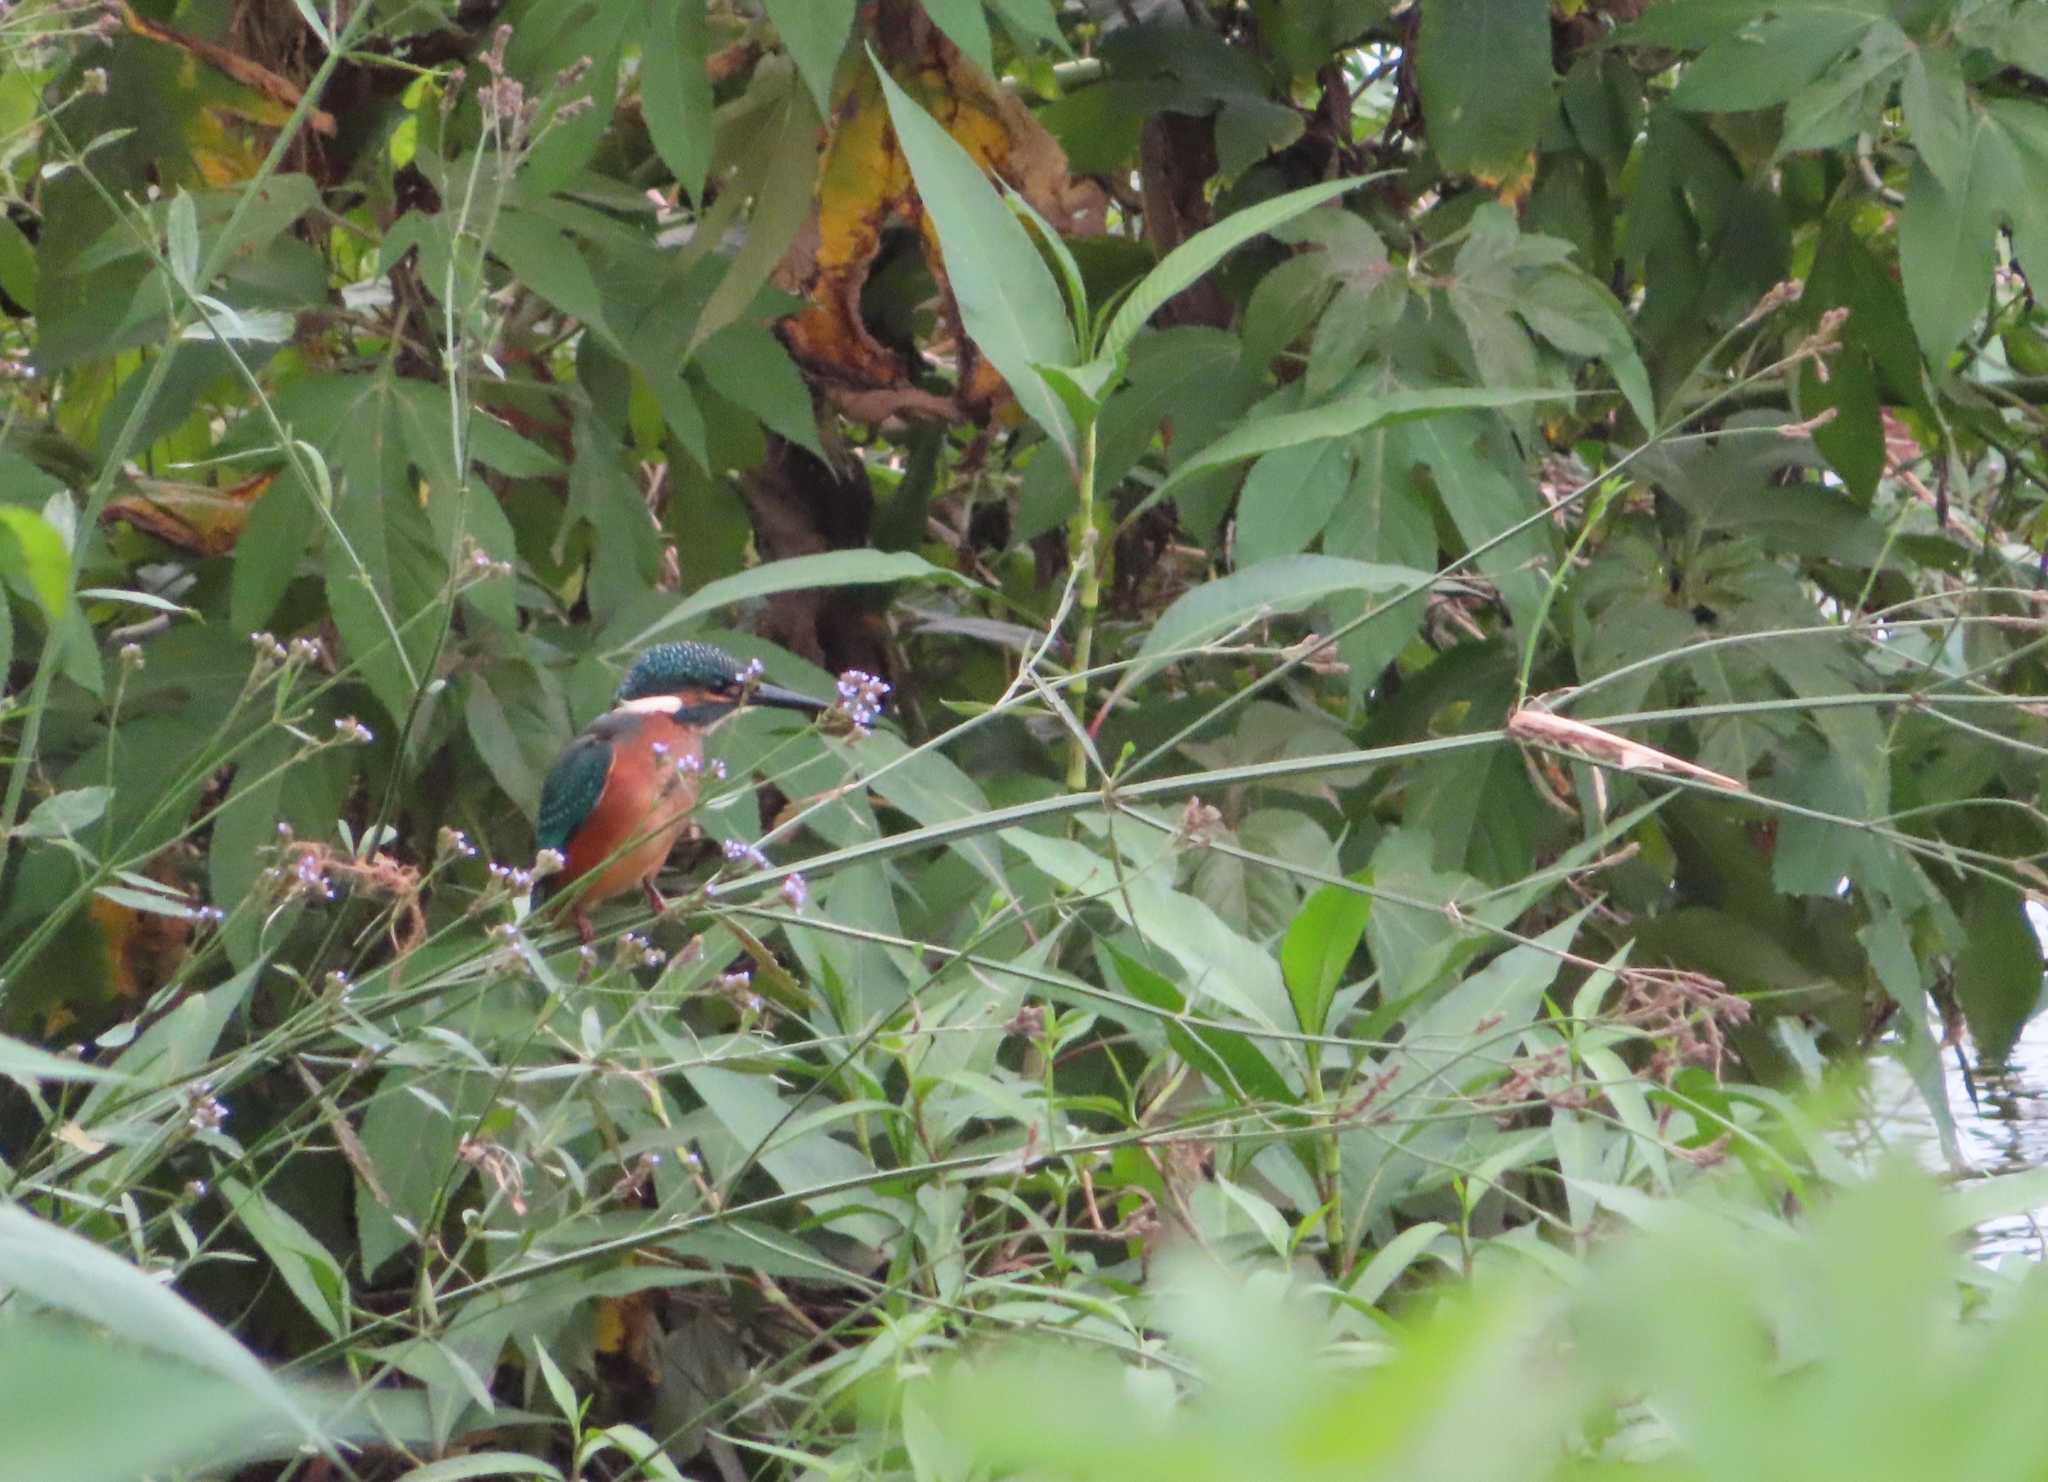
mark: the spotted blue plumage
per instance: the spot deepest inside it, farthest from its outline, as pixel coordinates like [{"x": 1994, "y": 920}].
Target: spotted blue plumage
[{"x": 668, "y": 668}]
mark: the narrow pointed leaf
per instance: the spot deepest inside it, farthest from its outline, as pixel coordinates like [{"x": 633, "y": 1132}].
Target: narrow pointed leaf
[
  {"x": 1201, "y": 252},
  {"x": 1008, "y": 301}
]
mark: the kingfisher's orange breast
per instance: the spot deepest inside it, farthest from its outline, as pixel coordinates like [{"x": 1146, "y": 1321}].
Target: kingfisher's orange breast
[{"x": 643, "y": 810}]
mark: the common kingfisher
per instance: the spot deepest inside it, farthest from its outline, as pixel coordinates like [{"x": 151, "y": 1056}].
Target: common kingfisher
[{"x": 620, "y": 795}]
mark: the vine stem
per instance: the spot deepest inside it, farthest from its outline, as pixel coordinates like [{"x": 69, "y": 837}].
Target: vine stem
[{"x": 1082, "y": 544}]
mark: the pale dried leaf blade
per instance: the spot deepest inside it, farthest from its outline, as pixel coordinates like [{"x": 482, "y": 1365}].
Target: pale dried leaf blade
[{"x": 1540, "y": 727}]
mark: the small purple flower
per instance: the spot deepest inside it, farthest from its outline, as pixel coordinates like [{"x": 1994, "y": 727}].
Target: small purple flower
[
  {"x": 860, "y": 698},
  {"x": 795, "y": 891},
  {"x": 739, "y": 851}
]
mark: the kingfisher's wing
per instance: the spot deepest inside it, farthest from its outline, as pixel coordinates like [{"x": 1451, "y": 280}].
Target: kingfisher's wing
[{"x": 573, "y": 786}]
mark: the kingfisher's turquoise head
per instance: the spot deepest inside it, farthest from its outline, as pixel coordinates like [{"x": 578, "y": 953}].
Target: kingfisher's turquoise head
[{"x": 698, "y": 684}]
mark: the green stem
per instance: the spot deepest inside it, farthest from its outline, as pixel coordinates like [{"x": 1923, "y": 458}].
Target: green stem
[{"x": 1082, "y": 549}]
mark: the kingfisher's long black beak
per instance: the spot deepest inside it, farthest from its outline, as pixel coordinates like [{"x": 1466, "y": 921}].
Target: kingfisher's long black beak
[{"x": 775, "y": 694}]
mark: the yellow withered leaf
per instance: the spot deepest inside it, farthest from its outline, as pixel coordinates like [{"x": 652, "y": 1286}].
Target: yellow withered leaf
[{"x": 864, "y": 187}]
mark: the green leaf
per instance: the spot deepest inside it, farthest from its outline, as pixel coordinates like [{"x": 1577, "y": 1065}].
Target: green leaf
[
  {"x": 1483, "y": 67},
  {"x": 1948, "y": 242},
  {"x": 1850, "y": 96},
  {"x": 1768, "y": 63},
  {"x": 1009, "y": 302},
  {"x": 1284, "y": 305},
  {"x": 309, "y": 1271},
  {"x": 1354, "y": 412},
  {"x": 1581, "y": 318},
  {"x": 814, "y": 33},
  {"x": 411, "y": 1135},
  {"x": 1318, "y": 948},
  {"x": 34, "y": 558},
  {"x": 804, "y": 1158},
  {"x": 1486, "y": 494},
  {"x": 749, "y": 367},
  {"x": 676, "y": 90},
  {"x": 82, "y": 1409},
  {"x": 1998, "y": 972},
  {"x": 1289, "y": 496},
  {"x": 181, "y": 247},
  {"x": 1192, "y": 259},
  {"x": 549, "y": 261},
  {"x": 17, "y": 266},
  {"x": 24, "y": 1064},
  {"x": 149, "y": 600},
  {"x": 51, "y": 1267},
  {"x": 484, "y": 1464},
  {"x": 1232, "y": 1062},
  {"x": 66, "y": 813},
  {"x": 278, "y": 529},
  {"x": 154, "y": 902},
  {"x": 826, "y": 569},
  {"x": 777, "y": 171},
  {"x": 1282, "y": 585},
  {"x": 965, "y": 23},
  {"x": 1217, "y": 963}
]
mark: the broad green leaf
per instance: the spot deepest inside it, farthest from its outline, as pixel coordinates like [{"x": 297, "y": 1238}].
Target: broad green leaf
[
  {"x": 1217, "y": 963},
  {"x": 965, "y": 23},
  {"x": 17, "y": 266},
  {"x": 814, "y": 33},
  {"x": 1483, "y": 68},
  {"x": 1486, "y": 495},
  {"x": 1355, "y": 411},
  {"x": 1009, "y": 303},
  {"x": 549, "y": 261},
  {"x": 1284, "y": 584},
  {"x": 1580, "y": 317},
  {"x": 826, "y": 569},
  {"x": 411, "y": 1135},
  {"x": 676, "y": 90},
  {"x": 1192, "y": 259},
  {"x": 806, "y": 1160},
  {"x": 1288, "y": 496},
  {"x": 1318, "y": 948},
  {"x": 1766, "y": 64},
  {"x": 275, "y": 535},
  {"x": 1948, "y": 244},
  {"x": 1233, "y": 1062},
  {"x": 1998, "y": 972},
  {"x": 1393, "y": 1259},
  {"x": 1850, "y": 96},
  {"x": 1284, "y": 305},
  {"x": 750, "y": 368},
  {"x": 777, "y": 170},
  {"x": 175, "y": 1046},
  {"x": 82, "y": 1409},
  {"x": 24, "y": 1064},
  {"x": 66, "y": 813},
  {"x": 309, "y": 1272},
  {"x": 48, "y": 1266},
  {"x": 34, "y": 558}
]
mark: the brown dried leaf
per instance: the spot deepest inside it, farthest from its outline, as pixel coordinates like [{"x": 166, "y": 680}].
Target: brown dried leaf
[{"x": 1540, "y": 727}]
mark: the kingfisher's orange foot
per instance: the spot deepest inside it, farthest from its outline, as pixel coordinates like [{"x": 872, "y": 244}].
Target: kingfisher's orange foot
[{"x": 654, "y": 898}]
